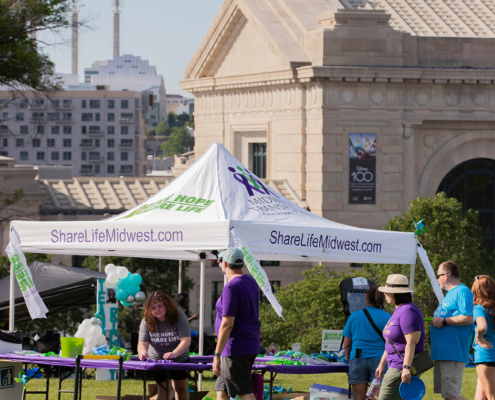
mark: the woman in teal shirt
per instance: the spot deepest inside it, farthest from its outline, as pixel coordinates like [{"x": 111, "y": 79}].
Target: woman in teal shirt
[
  {"x": 363, "y": 345},
  {"x": 484, "y": 321}
]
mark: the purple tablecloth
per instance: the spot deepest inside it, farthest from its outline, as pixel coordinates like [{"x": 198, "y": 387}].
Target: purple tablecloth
[
  {"x": 209, "y": 359},
  {"x": 105, "y": 364},
  {"x": 303, "y": 369}
]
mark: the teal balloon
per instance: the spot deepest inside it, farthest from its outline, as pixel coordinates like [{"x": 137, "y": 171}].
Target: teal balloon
[
  {"x": 132, "y": 290},
  {"x": 124, "y": 283},
  {"x": 125, "y": 304},
  {"x": 121, "y": 294},
  {"x": 136, "y": 279}
]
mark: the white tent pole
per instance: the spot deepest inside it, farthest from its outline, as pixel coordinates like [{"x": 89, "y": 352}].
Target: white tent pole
[
  {"x": 201, "y": 316},
  {"x": 180, "y": 277},
  {"x": 99, "y": 265},
  {"x": 12, "y": 299},
  {"x": 411, "y": 277}
]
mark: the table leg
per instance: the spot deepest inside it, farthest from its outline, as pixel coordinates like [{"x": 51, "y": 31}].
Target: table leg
[
  {"x": 48, "y": 372},
  {"x": 271, "y": 385},
  {"x": 167, "y": 374},
  {"x": 144, "y": 384}
]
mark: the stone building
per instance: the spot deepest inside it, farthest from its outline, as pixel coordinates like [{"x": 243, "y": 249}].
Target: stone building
[{"x": 286, "y": 84}]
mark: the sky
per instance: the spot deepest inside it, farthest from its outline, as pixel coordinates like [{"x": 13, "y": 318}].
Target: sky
[{"x": 165, "y": 32}]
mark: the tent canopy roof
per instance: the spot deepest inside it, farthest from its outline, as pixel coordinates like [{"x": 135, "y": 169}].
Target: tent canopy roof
[
  {"x": 61, "y": 288},
  {"x": 195, "y": 213}
]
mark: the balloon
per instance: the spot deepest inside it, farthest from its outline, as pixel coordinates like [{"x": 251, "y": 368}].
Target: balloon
[
  {"x": 84, "y": 333},
  {"x": 95, "y": 331},
  {"x": 78, "y": 335},
  {"x": 122, "y": 272},
  {"x": 90, "y": 341},
  {"x": 99, "y": 322},
  {"x": 130, "y": 299},
  {"x": 94, "y": 321},
  {"x": 132, "y": 290},
  {"x": 125, "y": 304},
  {"x": 136, "y": 279},
  {"x": 110, "y": 268},
  {"x": 86, "y": 324},
  {"x": 121, "y": 294},
  {"x": 112, "y": 277},
  {"x": 124, "y": 283},
  {"x": 101, "y": 340},
  {"x": 140, "y": 297}
]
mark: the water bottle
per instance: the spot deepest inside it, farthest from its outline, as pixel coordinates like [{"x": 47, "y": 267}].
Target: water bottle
[{"x": 374, "y": 389}]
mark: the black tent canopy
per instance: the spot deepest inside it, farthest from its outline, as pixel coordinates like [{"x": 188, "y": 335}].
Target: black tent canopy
[{"x": 61, "y": 288}]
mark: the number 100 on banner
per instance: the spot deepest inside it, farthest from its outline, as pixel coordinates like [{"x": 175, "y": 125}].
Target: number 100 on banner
[{"x": 362, "y": 168}]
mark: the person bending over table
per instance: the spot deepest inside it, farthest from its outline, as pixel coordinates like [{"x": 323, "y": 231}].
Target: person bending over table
[
  {"x": 405, "y": 336},
  {"x": 363, "y": 345},
  {"x": 484, "y": 350},
  {"x": 164, "y": 334}
]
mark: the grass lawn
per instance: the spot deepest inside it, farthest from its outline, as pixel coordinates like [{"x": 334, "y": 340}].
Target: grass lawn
[{"x": 92, "y": 388}]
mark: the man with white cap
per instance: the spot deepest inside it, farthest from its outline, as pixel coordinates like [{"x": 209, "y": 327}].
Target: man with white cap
[{"x": 237, "y": 328}]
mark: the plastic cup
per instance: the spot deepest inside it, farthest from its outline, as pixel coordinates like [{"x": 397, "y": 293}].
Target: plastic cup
[{"x": 71, "y": 347}]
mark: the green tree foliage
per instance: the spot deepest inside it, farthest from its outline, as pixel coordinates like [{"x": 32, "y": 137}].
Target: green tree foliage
[
  {"x": 451, "y": 234},
  {"x": 21, "y": 61},
  {"x": 309, "y": 306},
  {"x": 179, "y": 142},
  {"x": 162, "y": 129},
  {"x": 157, "y": 275}
]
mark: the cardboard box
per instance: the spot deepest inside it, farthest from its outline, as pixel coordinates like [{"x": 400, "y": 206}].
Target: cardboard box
[{"x": 291, "y": 396}]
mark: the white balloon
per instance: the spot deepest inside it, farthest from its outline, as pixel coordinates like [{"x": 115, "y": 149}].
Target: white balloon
[
  {"x": 95, "y": 331},
  {"x": 78, "y": 335},
  {"x": 90, "y": 341},
  {"x": 112, "y": 277},
  {"x": 84, "y": 333},
  {"x": 130, "y": 299},
  {"x": 110, "y": 268},
  {"x": 122, "y": 272},
  {"x": 101, "y": 340},
  {"x": 140, "y": 297},
  {"x": 86, "y": 324},
  {"x": 99, "y": 322},
  {"x": 94, "y": 321}
]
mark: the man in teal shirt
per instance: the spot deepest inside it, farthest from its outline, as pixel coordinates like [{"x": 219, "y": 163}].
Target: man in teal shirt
[{"x": 451, "y": 331}]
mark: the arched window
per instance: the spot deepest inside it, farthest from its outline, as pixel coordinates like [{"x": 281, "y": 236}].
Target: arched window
[{"x": 473, "y": 184}]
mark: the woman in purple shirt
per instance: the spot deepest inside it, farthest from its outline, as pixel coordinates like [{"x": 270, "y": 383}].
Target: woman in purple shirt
[{"x": 404, "y": 335}]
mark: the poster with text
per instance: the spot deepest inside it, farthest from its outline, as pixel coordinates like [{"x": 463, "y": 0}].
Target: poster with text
[{"x": 362, "y": 168}]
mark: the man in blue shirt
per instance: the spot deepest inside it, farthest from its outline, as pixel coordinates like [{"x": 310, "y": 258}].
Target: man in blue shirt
[{"x": 451, "y": 331}]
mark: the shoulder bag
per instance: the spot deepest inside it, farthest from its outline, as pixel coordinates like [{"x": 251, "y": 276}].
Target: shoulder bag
[{"x": 422, "y": 362}]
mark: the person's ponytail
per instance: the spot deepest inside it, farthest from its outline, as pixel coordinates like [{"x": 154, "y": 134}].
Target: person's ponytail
[{"x": 376, "y": 298}]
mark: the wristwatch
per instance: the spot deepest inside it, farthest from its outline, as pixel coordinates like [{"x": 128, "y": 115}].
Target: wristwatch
[
  {"x": 217, "y": 354},
  {"x": 405, "y": 366},
  {"x": 444, "y": 323}
]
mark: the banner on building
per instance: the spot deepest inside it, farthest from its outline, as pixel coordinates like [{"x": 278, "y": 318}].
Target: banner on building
[{"x": 362, "y": 168}]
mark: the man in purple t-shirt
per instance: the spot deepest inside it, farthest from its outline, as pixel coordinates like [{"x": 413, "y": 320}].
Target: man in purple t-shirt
[{"x": 237, "y": 328}]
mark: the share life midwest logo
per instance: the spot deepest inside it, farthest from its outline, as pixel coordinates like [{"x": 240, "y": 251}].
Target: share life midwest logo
[{"x": 174, "y": 203}]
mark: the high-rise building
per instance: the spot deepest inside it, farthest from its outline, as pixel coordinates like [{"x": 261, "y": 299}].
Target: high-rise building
[{"x": 130, "y": 72}]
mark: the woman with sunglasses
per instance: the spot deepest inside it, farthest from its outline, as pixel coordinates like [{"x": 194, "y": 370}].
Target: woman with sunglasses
[{"x": 484, "y": 321}]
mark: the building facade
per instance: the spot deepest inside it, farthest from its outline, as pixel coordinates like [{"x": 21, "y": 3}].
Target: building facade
[
  {"x": 97, "y": 133},
  {"x": 330, "y": 100}
]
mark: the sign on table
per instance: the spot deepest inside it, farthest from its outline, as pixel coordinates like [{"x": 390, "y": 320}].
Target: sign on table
[
  {"x": 296, "y": 347},
  {"x": 331, "y": 340}
]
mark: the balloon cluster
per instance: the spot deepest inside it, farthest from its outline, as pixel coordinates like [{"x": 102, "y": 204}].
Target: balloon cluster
[
  {"x": 90, "y": 330},
  {"x": 128, "y": 290}
]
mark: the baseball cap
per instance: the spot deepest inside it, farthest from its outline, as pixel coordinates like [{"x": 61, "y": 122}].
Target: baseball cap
[{"x": 232, "y": 256}]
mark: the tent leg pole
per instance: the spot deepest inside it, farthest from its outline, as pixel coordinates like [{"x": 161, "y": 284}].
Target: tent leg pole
[
  {"x": 12, "y": 299},
  {"x": 201, "y": 317},
  {"x": 411, "y": 277},
  {"x": 179, "y": 289},
  {"x": 99, "y": 263}
]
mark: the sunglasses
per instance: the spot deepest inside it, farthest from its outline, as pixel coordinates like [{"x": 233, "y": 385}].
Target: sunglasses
[
  {"x": 439, "y": 275},
  {"x": 478, "y": 276}
]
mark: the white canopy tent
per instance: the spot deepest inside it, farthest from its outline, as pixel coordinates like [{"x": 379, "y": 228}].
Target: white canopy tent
[{"x": 214, "y": 201}]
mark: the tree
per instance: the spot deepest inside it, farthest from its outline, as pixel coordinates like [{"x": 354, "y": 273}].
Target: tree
[
  {"x": 179, "y": 142},
  {"x": 162, "y": 129},
  {"x": 451, "y": 234},
  {"x": 22, "y": 64},
  {"x": 157, "y": 275},
  {"x": 309, "y": 306}
]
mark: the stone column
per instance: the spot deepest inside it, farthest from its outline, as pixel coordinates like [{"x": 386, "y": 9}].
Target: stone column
[{"x": 409, "y": 166}]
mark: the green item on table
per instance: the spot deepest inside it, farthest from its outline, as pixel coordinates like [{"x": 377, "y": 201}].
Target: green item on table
[
  {"x": 119, "y": 351},
  {"x": 193, "y": 354},
  {"x": 51, "y": 354},
  {"x": 71, "y": 347}
]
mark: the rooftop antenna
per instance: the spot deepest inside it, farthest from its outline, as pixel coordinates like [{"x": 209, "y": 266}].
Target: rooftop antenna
[
  {"x": 116, "y": 27},
  {"x": 74, "y": 40}
]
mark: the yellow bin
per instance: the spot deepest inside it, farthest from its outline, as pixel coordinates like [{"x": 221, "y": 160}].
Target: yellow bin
[{"x": 71, "y": 347}]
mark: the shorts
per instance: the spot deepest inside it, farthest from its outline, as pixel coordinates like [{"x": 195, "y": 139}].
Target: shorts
[
  {"x": 235, "y": 375},
  {"x": 160, "y": 375},
  {"x": 389, "y": 390},
  {"x": 447, "y": 378},
  {"x": 486, "y": 364},
  {"x": 362, "y": 370}
]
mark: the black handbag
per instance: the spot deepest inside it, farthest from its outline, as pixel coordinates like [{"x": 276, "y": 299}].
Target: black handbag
[{"x": 422, "y": 362}]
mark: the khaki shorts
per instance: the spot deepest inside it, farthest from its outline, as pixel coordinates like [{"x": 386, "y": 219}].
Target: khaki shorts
[
  {"x": 447, "y": 378},
  {"x": 389, "y": 390}
]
